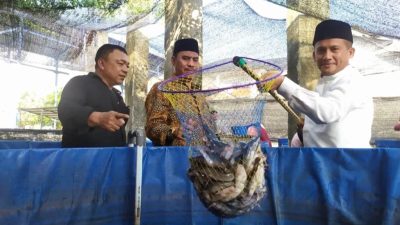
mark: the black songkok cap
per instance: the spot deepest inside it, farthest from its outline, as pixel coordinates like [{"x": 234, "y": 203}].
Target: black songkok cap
[
  {"x": 328, "y": 29},
  {"x": 186, "y": 44}
]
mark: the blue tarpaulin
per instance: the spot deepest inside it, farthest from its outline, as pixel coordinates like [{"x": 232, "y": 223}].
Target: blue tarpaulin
[
  {"x": 387, "y": 143},
  {"x": 15, "y": 144},
  {"x": 96, "y": 186}
]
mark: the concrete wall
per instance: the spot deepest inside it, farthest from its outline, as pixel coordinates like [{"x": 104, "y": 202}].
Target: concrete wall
[{"x": 30, "y": 135}]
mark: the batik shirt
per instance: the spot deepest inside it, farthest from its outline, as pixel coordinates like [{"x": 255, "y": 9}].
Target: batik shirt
[
  {"x": 162, "y": 125},
  {"x": 176, "y": 119}
]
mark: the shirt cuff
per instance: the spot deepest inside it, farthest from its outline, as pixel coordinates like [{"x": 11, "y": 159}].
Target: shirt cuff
[{"x": 287, "y": 88}]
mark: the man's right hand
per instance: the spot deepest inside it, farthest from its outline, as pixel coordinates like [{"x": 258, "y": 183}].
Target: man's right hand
[
  {"x": 110, "y": 121},
  {"x": 270, "y": 85}
]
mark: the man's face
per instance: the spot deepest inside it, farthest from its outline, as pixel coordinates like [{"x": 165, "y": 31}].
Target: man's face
[
  {"x": 185, "y": 62},
  {"x": 114, "y": 67},
  {"x": 332, "y": 55}
]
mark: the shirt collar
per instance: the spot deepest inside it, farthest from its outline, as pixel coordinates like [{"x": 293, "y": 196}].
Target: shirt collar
[
  {"x": 96, "y": 76},
  {"x": 338, "y": 74}
]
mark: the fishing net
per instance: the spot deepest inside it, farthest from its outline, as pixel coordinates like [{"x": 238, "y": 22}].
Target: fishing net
[{"x": 220, "y": 109}]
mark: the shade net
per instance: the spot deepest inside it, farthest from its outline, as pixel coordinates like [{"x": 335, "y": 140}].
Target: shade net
[
  {"x": 372, "y": 16},
  {"x": 45, "y": 31},
  {"x": 220, "y": 108},
  {"x": 63, "y": 30}
]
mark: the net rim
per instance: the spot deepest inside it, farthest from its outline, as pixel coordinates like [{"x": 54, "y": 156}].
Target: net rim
[{"x": 174, "y": 78}]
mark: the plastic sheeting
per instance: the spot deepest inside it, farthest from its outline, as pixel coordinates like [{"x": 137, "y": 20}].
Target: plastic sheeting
[
  {"x": 9, "y": 144},
  {"x": 387, "y": 143},
  {"x": 96, "y": 186},
  {"x": 66, "y": 186}
]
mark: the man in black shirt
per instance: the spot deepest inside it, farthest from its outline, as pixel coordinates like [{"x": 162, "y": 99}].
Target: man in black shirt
[{"x": 92, "y": 112}]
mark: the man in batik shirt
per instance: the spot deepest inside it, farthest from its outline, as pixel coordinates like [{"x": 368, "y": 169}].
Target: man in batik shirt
[{"x": 162, "y": 124}]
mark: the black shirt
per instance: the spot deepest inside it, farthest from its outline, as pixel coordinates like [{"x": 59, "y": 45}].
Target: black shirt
[{"x": 81, "y": 96}]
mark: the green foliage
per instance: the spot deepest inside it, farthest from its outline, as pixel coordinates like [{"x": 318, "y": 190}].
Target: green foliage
[
  {"x": 36, "y": 27},
  {"x": 53, "y": 9},
  {"x": 49, "y": 100},
  {"x": 40, "y": 5},
  {"x": 30, "y": 120},
  {"x": 139, "y": 6},
  {"x": 106, "y": 8},
  {"x": 160, "y": 10}
]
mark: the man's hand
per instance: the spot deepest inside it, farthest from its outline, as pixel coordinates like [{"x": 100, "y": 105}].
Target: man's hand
[
  {"x": 111, "y": 120},
  {"x": 270, "y": 85}
]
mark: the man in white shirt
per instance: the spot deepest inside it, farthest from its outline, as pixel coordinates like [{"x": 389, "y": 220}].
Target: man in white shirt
[{"x": 339, "y": 113}]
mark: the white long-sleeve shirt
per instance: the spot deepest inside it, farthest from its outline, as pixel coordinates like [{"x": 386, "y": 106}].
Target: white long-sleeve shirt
[{"x": 339, "y": 113}]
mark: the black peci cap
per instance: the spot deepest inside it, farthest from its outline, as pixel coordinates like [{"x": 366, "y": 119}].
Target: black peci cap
[
  {"x": 328, "y": 29},
  {"x": 186, "y": 44}
]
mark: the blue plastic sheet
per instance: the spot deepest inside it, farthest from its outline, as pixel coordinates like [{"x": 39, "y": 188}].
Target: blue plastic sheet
[
  {"x": 96, "y": 186},
  {"x": 335, "y": 186},
  {"x": 66, "y": 186},
  {"x": 178, "y": 203},
  {"x": 283, "y": 142},
  {"x": 387, "y": 143},
  {"x": 13, "y": 144}
]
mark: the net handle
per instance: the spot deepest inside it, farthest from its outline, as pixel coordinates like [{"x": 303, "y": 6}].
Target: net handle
[{"x": 239, "y": 62}]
